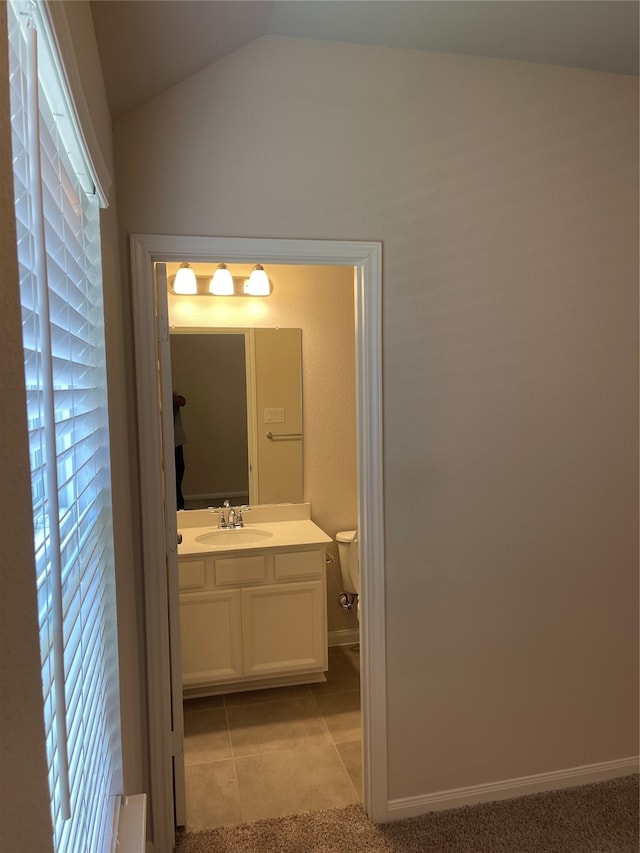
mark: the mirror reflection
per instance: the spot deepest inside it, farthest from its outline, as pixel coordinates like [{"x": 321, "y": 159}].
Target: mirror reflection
[{"x": 242, "y": 414}]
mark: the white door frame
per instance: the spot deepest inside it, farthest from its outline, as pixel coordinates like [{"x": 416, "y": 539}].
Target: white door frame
[
  {"x": 165, "y": 386},
  {"x": 366, "y": 258}
]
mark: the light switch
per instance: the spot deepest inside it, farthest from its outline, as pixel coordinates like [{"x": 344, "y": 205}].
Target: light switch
[{"x": 274, "y": 416}]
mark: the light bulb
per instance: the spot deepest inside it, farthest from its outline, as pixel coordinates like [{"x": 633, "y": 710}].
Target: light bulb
[
  {"x": 258, "y": 284},
  {"x": 185, "y": 281},
  {"x": 222, "y": 282}
]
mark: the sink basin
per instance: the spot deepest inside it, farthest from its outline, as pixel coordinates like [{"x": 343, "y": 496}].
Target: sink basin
[{"x": 235, "y": 536}]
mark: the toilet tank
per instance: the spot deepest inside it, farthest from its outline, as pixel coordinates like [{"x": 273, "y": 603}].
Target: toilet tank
[{"x": 348, "y": 556}]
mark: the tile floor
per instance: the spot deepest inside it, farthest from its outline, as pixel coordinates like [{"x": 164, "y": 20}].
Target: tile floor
[{"x": 274, "y": 752}]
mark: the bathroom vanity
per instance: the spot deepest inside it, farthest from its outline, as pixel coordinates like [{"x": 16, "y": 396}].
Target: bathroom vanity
[{"x": 253, "y": 606}]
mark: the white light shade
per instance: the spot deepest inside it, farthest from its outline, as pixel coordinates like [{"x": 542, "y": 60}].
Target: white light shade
[
  {"x": 258, "y": 284},
  {"x": 222, "y": 282},
  {"x": 185, "y": 281}
]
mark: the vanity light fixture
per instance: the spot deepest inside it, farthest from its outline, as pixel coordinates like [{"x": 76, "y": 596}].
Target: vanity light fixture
[
  {"x": 222, "y": 283},
  {"x": 185, "y": 281}
]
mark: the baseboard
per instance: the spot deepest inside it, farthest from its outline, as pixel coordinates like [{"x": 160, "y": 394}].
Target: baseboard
[
  {"x": 344, "y": 637},
  {"x": 440, "y": 800}
]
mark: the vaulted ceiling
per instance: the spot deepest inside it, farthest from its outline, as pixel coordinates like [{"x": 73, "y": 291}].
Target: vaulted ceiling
[{"x": 147, "y": 46}]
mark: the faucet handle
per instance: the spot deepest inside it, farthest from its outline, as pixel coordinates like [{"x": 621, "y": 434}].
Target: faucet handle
[
  {"x": 222, "y": 521},
  {"x": 220, "y": 513}
]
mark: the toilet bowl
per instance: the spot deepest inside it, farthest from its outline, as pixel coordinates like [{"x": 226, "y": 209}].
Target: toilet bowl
[{"x": 350, "y": 568}]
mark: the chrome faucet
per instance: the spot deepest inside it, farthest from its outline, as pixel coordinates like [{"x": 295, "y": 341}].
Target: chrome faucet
[{"x": 230, "y": 516}]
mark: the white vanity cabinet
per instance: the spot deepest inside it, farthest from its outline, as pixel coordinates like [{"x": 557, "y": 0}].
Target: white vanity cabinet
[{"x": 253, "y": 619}]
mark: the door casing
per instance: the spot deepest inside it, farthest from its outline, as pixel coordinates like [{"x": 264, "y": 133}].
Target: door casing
[{"x": 366, "y": 258}]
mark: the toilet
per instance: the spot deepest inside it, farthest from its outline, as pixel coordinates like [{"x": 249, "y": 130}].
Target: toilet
[{"x": 350, "y": 568}]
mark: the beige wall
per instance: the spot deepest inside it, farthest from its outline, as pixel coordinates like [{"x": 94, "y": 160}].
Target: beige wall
[
  {"x": 506, "y": 198},
  {"x": 278, "y": 382},
  {"x": 319, "y": 300},
  {"x": 25, "y": 817}
]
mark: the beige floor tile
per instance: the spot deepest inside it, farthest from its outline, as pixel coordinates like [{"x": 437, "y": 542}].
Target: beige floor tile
[
  {"x": 351, "y": 755},
  {"x": 350, "y": 652},
  {"x": 344, "y": 672},
  {"x": 203, "y": 703},
  {"x": 212, "y": 792},
  {"x": 270, "y": 694},
  {"x": 341, "y": 712},
  {"x": 276, "y": 726},
  {"x": 206, "y": 737},
  {"x": 282, "y": 783}
]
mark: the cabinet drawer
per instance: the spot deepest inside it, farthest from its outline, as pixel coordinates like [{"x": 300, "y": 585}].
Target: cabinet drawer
[
  {"x": 238, "y": 571},
  {"x": 191, "y": 574},
  {"x": 299, "y": 564}
]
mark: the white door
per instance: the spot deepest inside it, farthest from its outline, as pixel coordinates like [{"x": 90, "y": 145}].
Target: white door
[{"x": 165, "y": 394}]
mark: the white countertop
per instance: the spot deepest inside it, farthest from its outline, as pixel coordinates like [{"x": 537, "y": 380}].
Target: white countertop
[{"x": 284, "y": 534}]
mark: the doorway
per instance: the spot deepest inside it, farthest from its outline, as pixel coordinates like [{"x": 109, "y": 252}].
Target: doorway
[
  {"x": 304, "y": 739},
  {"x": 365, "y": 258}
]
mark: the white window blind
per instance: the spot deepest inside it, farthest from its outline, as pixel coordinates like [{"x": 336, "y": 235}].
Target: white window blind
[{"x": 58, "y": 236}]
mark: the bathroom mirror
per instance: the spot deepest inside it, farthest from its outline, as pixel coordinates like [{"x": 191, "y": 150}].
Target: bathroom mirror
[{"x": 243, "y": 414}]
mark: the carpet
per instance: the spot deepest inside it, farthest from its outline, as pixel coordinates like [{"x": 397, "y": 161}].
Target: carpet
[{"x": 598, "y": 818}]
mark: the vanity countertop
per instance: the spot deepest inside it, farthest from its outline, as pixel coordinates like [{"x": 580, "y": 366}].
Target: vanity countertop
[{"x": 283, "y": 534}]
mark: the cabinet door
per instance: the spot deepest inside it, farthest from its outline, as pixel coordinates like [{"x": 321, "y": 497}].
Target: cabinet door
[
  {"x": 284, "y": 628},
  {"x": 211, "y": 636}
]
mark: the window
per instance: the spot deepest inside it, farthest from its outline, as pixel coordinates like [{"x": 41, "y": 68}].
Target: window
[{"x": 58, "y": 236}]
